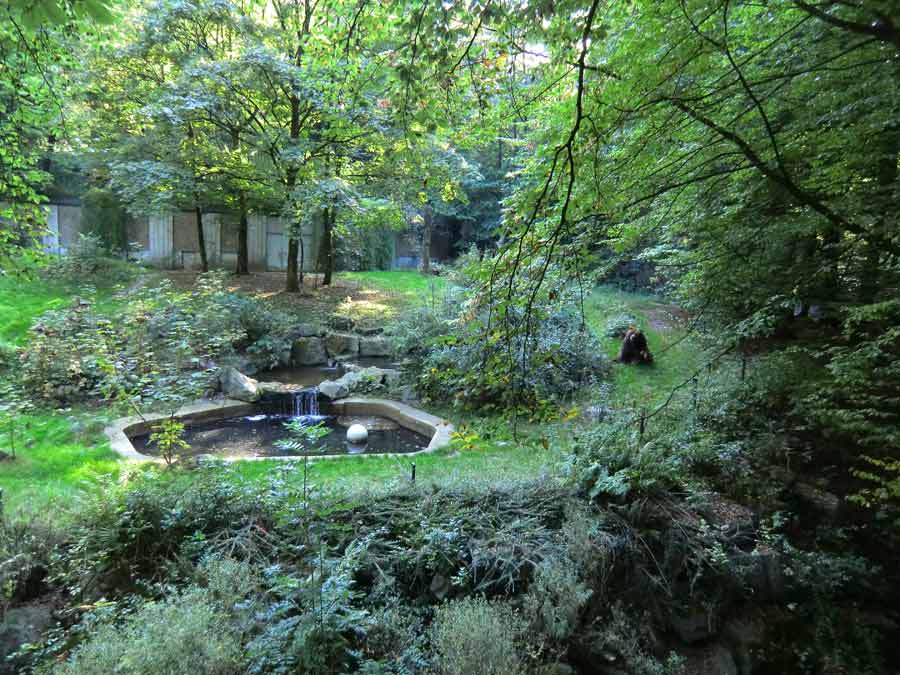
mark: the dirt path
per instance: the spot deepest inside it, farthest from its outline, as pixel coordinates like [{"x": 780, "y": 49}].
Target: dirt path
[
  {"x": 665, "y": 318},
  {"x": 313, "y": 302}
]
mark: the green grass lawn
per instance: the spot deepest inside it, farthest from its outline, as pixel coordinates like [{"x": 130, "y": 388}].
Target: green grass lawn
[
  {"x": 405, "y": 285},
  {"x": 52, "y": 464},
  {"x": 21, "y": 300},
  {"x": 491, "y": 460},
  {"x": 676, "y": 358}
]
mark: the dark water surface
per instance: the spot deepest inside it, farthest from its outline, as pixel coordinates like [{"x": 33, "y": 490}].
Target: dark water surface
[{"x": 255, "y": 436}]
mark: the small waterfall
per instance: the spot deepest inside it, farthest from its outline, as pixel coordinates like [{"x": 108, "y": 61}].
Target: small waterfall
[{"x": 305, "y": 403}]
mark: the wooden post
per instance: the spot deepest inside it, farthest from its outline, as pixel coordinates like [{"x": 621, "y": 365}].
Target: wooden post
[
  {"x": 643, "y": 423},
  {"x": 412, "y": 473},
  {"x": 743, "y": 367}
]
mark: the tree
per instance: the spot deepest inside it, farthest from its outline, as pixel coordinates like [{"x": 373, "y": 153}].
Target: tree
[{"x": 34, "y": 61}]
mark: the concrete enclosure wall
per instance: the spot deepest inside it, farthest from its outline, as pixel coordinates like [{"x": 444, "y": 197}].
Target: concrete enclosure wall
[{"x": 170, "y": 240}]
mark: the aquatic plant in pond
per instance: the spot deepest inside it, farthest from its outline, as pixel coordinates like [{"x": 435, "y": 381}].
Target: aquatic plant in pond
[{"x": 304, "y": 436}]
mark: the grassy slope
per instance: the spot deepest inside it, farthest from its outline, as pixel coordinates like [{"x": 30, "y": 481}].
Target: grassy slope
[
  {"x": 21, "y": 300},
  {"x": 55, "y": 464},
  {"x": 675, "y": 358},
  {"x": 410, "y": 285},
  {"x": 51, "y": 462}
]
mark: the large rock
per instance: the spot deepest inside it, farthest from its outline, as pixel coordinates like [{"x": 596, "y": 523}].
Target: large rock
[
  {"x": 275, "y": 389},
  {"x": 374, "y": 346},
  {"x": 359, "y": 381},
  {"x": 308, "y": 330},
  {"x": 308, "y": 351},
  {"x": 711, "y": 659},
  {"x": 763, "y": 572},
  {"x": 334, "y": 389},
  {"x": 341, "y": 344},
  {"x": 339, "y": 322},
  {"x": 693, "y": 626},
  {"x": 238, "y": 386}
]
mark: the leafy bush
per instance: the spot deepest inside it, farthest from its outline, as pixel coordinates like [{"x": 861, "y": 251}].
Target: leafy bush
[
  {"x": 619, "y": 324},
  {"x": 26, "y": 547},
  {"x": 187, "y": 632},
  {"x": 160, "y": 349},
  {"x": 476, "y": 370},
  {"x": 146, "y": 532},
  {"x": 308, "y": 629},
  {"x": 89, "y": 258},
  {"x": 476, "y": 637},
  {"x": 614, "y": 462}
]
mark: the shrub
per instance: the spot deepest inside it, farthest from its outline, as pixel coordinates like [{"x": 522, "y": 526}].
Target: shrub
[
  {"x": 89, "y": 258},
  {"x": 185, "y": 633},
  {"x": 26, "y": 546},
  {"x": 476, "y": 637},
  {"x": 479, "y": 369},
  {"x": 555, "y": 599},
  {"x": 612, "y": 461},
  {"x": 160, "y": 349}
]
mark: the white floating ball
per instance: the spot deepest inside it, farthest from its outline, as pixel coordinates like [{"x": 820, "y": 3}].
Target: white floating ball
[{"x": 357, "y": 434}]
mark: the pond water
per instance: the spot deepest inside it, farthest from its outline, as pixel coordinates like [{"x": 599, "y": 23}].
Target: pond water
[
  {"x": 313, "y": 376},
  {"x": 257, "y": 435}
]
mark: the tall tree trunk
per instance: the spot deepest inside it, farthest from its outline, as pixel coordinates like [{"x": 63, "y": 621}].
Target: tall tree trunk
[
  {"x": 326, "y": 249},
  {"x": 243, "y": 256},
  {"x": 427, "y": 226},
  {"x": 292, "y": 284},
  {"x": 201, "y": 238}
]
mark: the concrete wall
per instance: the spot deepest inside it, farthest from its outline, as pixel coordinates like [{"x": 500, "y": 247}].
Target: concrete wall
[{"x": 170, "y": 240}]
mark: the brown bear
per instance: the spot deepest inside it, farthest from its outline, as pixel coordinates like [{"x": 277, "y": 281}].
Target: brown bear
[{"x": 634, "y": 348}]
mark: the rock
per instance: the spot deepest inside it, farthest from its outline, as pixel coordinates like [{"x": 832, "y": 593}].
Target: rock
[
  {"x": 238, "y": 386},
  {"x": 368, "y": 329},
  {"x": 557, "y": 669},
  {"x": 339, "y": 322},
  {"x": 692, "y": 627},
  {"x": 274, "y": 389},
  {"x": 333, "y": 389},
  {"x": 22, "y": 625},
  {"x": 742, "y": 635},
  {"x": 762, "y": 572},
  {"x": 825, "y": 502},
  {"x": 308, "y": 330},
  {"x": 714, "y": 659},
  {"x": 391, "y": 378},
  {"x": 439, "y": 586},
  {"x": 339, "y": 344},
  {"x": 375, "y": 346},
  {"x": 308, "y": 351},
  {"x": 359, "y": 380}
]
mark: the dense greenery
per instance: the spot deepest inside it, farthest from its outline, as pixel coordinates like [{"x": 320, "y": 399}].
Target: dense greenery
[{"x": 736, "y": 502}]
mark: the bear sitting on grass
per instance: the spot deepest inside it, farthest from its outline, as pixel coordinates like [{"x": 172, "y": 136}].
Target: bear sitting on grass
[{"x": 634, "y": 348}]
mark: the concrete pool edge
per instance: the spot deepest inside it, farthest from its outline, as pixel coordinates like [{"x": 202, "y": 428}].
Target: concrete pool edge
[{"x": 439, "y": 430}]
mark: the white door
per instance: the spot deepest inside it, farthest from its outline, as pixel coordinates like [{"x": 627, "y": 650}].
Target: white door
[{"x": 276, "y": 252}]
